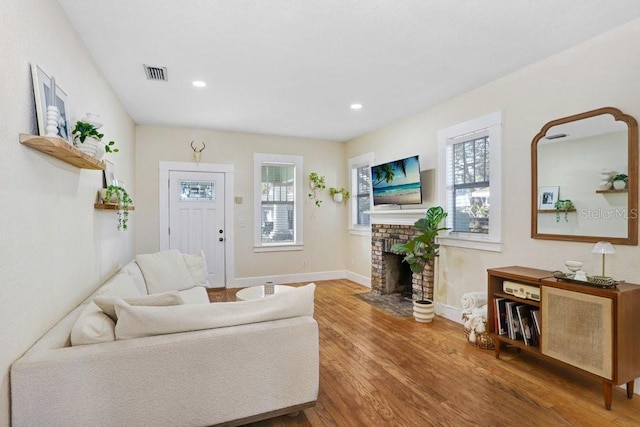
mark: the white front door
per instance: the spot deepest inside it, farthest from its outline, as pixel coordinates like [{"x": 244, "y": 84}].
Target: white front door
[{"x": 196, "y": 218}]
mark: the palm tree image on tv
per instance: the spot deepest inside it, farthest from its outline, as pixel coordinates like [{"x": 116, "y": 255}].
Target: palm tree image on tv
[{"x": 397, "y": 182}]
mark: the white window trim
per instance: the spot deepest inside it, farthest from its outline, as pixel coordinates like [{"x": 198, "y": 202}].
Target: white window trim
[
  {"x": 258, "y": 160},
  {"x": 492, "y": 123},
  {"x": 357, "y": 162}
]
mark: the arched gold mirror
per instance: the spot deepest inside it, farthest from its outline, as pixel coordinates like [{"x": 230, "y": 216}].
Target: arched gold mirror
[{"x": 574, "y": 163}]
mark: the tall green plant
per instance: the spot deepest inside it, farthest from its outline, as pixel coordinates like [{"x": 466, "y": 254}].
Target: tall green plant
[{"x": 422, "y": 249}]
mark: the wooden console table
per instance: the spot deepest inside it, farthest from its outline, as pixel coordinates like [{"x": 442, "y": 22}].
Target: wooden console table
[{"x": 589, "y": 329}]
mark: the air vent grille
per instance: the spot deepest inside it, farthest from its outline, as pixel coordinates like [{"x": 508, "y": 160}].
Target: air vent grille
[{"x": 156, "y": 73}]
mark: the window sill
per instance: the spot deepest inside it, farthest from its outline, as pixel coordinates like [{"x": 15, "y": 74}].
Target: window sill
[
  {"x": 360, "y": 231},
  {"x": 468, "y": 242},
  {"x": 278, "y": 248}
]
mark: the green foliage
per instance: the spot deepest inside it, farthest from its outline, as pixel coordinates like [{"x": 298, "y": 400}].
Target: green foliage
[
  {"x": 423, "y": 249},
  {"x": 621, "y": 177},
  {"x": 123, "y": 201},
  {"x": 84, "y": 130},
  {"x": 333, "y": 191},
  {"x": 317, "y": 184}
]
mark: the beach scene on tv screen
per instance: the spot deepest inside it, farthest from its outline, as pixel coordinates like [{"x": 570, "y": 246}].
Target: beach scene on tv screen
[{"x": 397, "y": 183}]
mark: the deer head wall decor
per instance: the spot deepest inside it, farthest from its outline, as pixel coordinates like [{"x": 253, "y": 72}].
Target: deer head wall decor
[{"x": 197, "y": 152}]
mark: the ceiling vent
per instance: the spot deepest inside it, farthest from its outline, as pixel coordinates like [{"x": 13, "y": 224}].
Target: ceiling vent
[{"x": 156, "y": 73}]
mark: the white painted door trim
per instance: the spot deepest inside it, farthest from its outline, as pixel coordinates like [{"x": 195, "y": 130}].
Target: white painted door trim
[{"x": 163, "y": 208}]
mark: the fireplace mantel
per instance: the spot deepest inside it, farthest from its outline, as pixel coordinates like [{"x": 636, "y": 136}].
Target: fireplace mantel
[{"x": 396, "y": 216}]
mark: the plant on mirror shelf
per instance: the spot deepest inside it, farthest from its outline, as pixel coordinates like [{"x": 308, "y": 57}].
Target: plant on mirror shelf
[
  {"x": 339, "y": 194},
  {"x": 564, "y": 206},
  {"x": 421, "y": 251},
  {"x": 316, "y": 183},
  {"x": 123, "y": 202}
]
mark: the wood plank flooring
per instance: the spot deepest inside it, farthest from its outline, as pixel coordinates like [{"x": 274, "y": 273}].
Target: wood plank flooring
[{"x": 381, "y": 370}]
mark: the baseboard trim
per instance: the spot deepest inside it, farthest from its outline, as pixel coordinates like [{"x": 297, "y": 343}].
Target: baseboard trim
[{"x": 448, "y": 312}]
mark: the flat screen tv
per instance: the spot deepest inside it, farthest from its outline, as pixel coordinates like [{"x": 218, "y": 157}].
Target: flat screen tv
[{"x": 397, "y": 182}]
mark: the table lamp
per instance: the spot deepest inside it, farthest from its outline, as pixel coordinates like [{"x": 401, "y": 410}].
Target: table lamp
[{"x": 603, "y": 248}]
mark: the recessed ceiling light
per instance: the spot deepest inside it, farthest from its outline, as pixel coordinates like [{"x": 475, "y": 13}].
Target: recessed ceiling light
[
  {"x": 356, "y": 106},
  {"x": 199, "y": 83}
]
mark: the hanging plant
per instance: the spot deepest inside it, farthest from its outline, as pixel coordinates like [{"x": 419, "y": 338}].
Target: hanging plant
[
  {"x": 123, "y": 202},
  {"x": 563, "y": 206},
  {"x": 316, "y": 183},
  {"x": 339, "y": 194}
]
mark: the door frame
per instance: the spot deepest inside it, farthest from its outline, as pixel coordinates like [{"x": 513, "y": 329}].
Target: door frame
[{"x": 163, "y": 184}]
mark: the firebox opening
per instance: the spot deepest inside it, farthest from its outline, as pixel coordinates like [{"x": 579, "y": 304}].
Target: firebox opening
[{"x": 398, "y": 275}]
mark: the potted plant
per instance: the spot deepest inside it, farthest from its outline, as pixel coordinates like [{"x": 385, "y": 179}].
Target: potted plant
[
  {"x": 118, "y": 196},
  {"x": 421, "y": 251},
  {"x": 620, "y": 181},
  {"x": 87, "y": 138},
  {"x": 316, "y": 183},
  {"x": 563, "y": 206},
  {"x": 338, "y": 194}
]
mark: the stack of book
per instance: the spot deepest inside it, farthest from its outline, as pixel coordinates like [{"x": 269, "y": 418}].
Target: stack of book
[{"x": 518, "y": 321}]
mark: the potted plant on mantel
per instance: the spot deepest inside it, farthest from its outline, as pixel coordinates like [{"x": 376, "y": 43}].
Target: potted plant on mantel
[{"x": 421, "y": 251}]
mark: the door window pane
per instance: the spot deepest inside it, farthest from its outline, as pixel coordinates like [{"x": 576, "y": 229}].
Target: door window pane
[{"x": 197, "y": 190}]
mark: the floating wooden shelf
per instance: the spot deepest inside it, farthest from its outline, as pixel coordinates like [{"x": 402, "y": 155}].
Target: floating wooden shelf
[
  {"x": 613, "y": 190},
  {"x": 61, "y": 149},
  {"x": 554, "y": 211},
  {"x": 111, "y": 206}
]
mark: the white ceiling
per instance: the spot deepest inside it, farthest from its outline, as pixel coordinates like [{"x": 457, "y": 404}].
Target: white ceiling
[{"x": 293, "y": 67}]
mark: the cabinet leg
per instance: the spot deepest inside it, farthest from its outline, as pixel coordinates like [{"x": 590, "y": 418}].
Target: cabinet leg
[
  {"x": 607, "y": 391},
  {"x": 630, "y": 389}
]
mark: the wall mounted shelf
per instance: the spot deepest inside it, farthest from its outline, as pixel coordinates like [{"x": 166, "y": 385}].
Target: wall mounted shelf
[
  {"x": 110, "y": 206},
  {"x": 554, "y": 210},
  {"x": 61, "y": 149},
  {"x": 624, "y": 190}
]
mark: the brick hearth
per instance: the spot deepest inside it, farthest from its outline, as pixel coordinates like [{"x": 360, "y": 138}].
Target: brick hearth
[{"x": 383, "y": 236}]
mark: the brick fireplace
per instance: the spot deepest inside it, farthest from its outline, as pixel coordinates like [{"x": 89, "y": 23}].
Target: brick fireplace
[{"x": 387, "y": 269}]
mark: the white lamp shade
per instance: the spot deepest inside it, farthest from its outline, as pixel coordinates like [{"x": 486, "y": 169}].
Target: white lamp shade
[{"x": 603, "y": 248}]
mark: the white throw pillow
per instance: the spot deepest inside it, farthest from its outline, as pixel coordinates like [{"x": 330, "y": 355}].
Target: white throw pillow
[
  {"x": 92, "y": 327},
  {"x": 120, "y": 285},
  {"x": 165, "y": 271},
  {"x": 136, "y": 322},
  {"x": 197, "y": 265},
  {"x": 106, "y": 304}
]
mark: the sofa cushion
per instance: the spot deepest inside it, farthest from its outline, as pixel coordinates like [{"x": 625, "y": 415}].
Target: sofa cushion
[
  {"x": 119, "y": 285},
  {"x": 165, "y": 271},
  {"x": 92, "y": 327},
  {"x": 136, "y": 322},
  {"x": 195, "y": 295},
  {"x": 106, "y": 304},
  {"x": 197, "y": 265}
]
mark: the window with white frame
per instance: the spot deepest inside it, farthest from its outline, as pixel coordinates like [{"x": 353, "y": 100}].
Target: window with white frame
[
  {"x": 360, "y": 177},
  {"x": 470, "y": 182},
  {"x": 278, "y": 198}
]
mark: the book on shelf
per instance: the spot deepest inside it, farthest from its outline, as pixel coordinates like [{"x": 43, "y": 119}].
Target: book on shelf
[
  {"x": 500, "y": 316},
  {"x": 528, "y": 329},
  {"x": 535, "y": 314},
  {"x": 513, "y": 324}
]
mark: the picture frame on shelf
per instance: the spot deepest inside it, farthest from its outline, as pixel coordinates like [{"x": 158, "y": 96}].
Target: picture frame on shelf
[
  {"x": 42, "y": 95},
  {"x": 547, "y": 197},
  {"x": 109, "y": 176}
]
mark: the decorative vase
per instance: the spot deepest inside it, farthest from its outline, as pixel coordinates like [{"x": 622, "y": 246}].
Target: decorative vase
[
  {"x": 89, "y": 146},
  {"x": 337, "y": 197},
  {"x": 99, "y": 151},
  {"x": 619, "y": 185},
  {"x": 423, "y": 311},
  {"x": 103, "y": 197}
]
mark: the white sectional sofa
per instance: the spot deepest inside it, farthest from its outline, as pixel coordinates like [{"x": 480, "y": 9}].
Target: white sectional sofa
[{"x": 170, "y": 358}]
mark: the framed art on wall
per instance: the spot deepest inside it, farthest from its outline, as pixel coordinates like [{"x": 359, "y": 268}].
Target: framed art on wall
[
  {"x": 42, "y": 85},
  {"x": 109, "y": 177},
  {"x": 548, "y": 197}
]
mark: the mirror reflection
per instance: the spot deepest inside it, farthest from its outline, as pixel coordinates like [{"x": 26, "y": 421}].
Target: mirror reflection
[{"x": 584, "y": 178}]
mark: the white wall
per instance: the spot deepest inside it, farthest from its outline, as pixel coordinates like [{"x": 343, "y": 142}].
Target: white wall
[
  {"x": 55, "y": 248},
  {"x": 324, "y": 238},
  {"x": 602, "y": 72}
]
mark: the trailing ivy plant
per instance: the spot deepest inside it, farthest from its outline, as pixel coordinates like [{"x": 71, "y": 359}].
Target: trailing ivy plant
[
  {"x": 316, "y": 182},
  {"x": 123, "y": 202}
]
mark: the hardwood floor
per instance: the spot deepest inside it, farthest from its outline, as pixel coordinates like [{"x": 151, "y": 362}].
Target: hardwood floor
[{"x": 381, "y": 370}]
